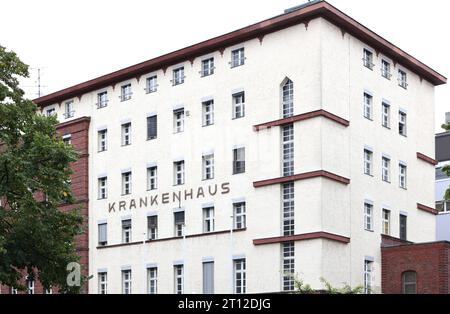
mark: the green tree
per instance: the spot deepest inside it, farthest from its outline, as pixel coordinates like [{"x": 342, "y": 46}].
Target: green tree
[
  {"x": 36, "y": 238},
  {"x": 446, "y": 169},
  {"x": 302, "y": 288}
]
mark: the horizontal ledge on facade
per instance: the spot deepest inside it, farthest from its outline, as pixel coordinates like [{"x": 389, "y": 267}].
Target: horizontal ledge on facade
[
  {"x": 303, "y": 237},
  {"x": 302, "y": 117},
  {"x": 427, "y": 159},
  {"x": 72, "y": 122},
  {"x": 303, "y": 176},
  {"x": 388, "y": 241},
  {"x": 427, "y": 209}
]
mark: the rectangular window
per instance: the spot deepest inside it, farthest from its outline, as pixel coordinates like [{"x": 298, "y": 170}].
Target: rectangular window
[
  {"x": 51, "y": 112},
  {"x": 13, "y": 290},
  {"x": 288, "y": 260},
  {"x": 368, "y": 157},
  {"x": 402, "y": 123},
  {"x": 208, "y": 219},
  {"x": 179, "y": 279},
  {"x": 207, "y": 67},
  {"x": 368, "y": 59},
  {"x": 30, "y": 286},
  {"x": 151, "y": 84},
  {"x": 179, "y": 223},
  {"x": 102, "y": 188},
  {"x": 178, "y": 120},
  {"x": 239, "y": 276},
  {"x": 402, "y": 176},
  {"x": 152, "y": 280},
  {"x": 126, "y": 134},
  {"x": 368, "y": 106},
  {"x": 102, "y": 140},
  {"x": 402, "y": 79},
  {"x": 178, "y": 76},
  {"x": 368, "y": 217},
  {"x": 287, "y": 134},
  {"x": 126, "y": 183},
  {"x": 288, "y": 99},
  {"x": 208, "y": 278},
  {"x": 152, "y": 227},
  {"x": 152, "y": 127},
  {"x": 386, "y": 69},
  {"x": 386, "y": 221},
  {"x": 67, "y": 139},
  {"x": 368, "y": 277},
  {"x": 238, "y": 160},
  {"x": 239, "y": 105},
  {"x": 126, "y": 281},
  {"x": 237, "y": 57},
  {"x": 239, "y": 215},
  {"x": 102, "y": 283},
  {"x": 102, "y": 234},
  {"x": 287, "y": 195},
  {"x": 403, "y": 227},
  {"x": 152, "y": 178},
  {"x": 386, "y": 169},
  {"x": 102, "y": 100},
  {"x": 68, "y": 111},
  {"x": 208, "y": 167},
  {"x": 208, "y": 112},
  {"x": 126, "y": 231},
  {"x": 386, "y": 115},
  {"x": 178, "y": 170},
  {"x": 125, "y": 92}
]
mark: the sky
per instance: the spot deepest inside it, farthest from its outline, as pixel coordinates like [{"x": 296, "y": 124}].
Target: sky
[{"x": 72, "y": 41}]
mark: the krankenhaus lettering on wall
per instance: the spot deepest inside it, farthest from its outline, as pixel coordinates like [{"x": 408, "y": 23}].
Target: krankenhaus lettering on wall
[{"x": 170, "y": 197}]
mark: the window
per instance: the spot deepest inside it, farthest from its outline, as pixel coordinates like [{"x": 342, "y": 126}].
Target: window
[
  {"x": 126, "y": 183},
  {"x": 288, "y": 99},
  {"x": 402, "y": 123},
  {"x": 207, "y": 67},
  {"x": 102, "y": 100},
  {"x": 178, "y": 172},
  {"x": 385, "y": 169},
  {"x": 152, "y": 227},
  {"x": 179, "y": 223},
  {"x": 102, "y": 188},
  {"x": 102, "y": 140},
  {"x": 179, "y": 279},
  {"x": 368, "y": 156},
  {"x": 102, "y": 283},
  {"x": 386, "y": 115},
  {"x": 67, "y": 139},
  {"x": 208, "y": 112},
  {"x": 403, "y": 227},
  {"x": 126, "y": 231},
  {"x": 443, "y": 206},
  {"x": 30, "y": 285},
  {"x": 68, "y": 111},
  {"x": 237, "y": 57},
  {"x": 368, "y": 59},
  {"x": 368, "y": 220},
  {"x": 386, "y": 222},
  {"x": 287, "y": 199},
  {"x": 402, "y": 79},
  {"x": 13, "y": 290},
  {"x": 152, "y": 280},
  {"x": 178, "y": 120},
  {"x": 386, "y": 69},
  {"x": 368, "y": 276},
  {"x": 239, "y": 215},
  {"x": 152, "y": 127},
  {"x": 151, "y": 84},
  {"x": 238, "y": 160},
  {"x": 49, "y": 291},
  {"x": 368, "y": 106},
  {"x": 402, "y": 176},
  {"x": 51, "y": 112},
  {"x": 178, "y": 76},
  {"x": 287, "y": 133},
  {"x": 239, "y": 276},
  {"x": 126, "y": 281},
  {"x": 102, "y": 234},
  {"x": 208, "y": 278},
  {"x": 126, "y": 134},
  {"x": 125, "y": 92},
  {"x": 152, "y": 178},
  {"x": 409, "y": 279},
  {"x": 238, "y": 105},
  {"x": 288, "y": 255},
  {"x": 208, "y": 167},
  {"x": 208, "y": 219}
]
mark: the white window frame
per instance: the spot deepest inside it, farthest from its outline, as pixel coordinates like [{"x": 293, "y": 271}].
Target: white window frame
[
  {"x": 239, "y": 276},
  {"x": 68, "y": 109},
  {"x": 386, "y": 169},
  {"x": 50, "y": 112},
  {"x": 386, "y": 221},
  {"x": 402, "y": 176},
  {"x": 125, "y": 92},
  {"x": 402, "y": 123},
  {"x": 386, "y": 69},
  {"x": 102, "y": 188},
  {"x": 178, "y": 120},
  {"x": 126, "y": 183},
  {"x": 126, "y": 231},
  {"x": 368, "y": 58},
  {"x": 239, "y": 216},
  {"x": 239, "y": 160},
  {"x": 402, "y": 79},
  {"x": 208, "y": 166},
  {"x": 179, "y": 226},
  {"x": 208, "y": 219},
  {"x": 178, "y": 171},
  {"x": 368, "y": 162},
  {"x": 386, "y": 115},
  {"x": 368, "y": 277},
  {"x": 288, "y": 265},
  {"x": 178, "y": 76},
  {"x": 126, "y": 134},
  {"x": 102, "y": 140},
  {"x": 368, "y": 106},
  {"x": 207, "y": 67},
  {"x": 208, "y": 112},
  {"x": 238, "y": 100},
  {"x": 151, "y": 84},
  {"x": 103, "y": 283},
  {"x": 287, "y": 152},
  {"x": 237, "y": 57},
  {"x": 368, "y": 216},
  {"x": 152, "y": 229},
  {"x": 288, "y": 208},
  {"x": 178, "y": 279},
  {"x": 152, "y": 178},
  {"x": 287, "y": 99},
  {"x": 102, "y": 99},
  {"x": 127, "y": 281},
  {"x": 30, "y": 286},
  {"x": 152, "y": 280}
]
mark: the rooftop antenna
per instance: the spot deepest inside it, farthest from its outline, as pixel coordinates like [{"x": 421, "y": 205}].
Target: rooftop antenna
[{"x": 38, "y": 85}]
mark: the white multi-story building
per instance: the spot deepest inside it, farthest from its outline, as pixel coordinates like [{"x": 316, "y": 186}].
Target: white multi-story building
[{"x": 292, "y": 146}]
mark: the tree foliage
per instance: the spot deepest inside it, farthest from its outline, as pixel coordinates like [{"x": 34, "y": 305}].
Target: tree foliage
[
  {"x": 36, "y": 238},
  {"x": 302, "y": 288}
]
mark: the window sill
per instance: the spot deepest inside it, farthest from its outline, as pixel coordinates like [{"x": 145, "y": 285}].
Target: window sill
[
  {"x": 125, "y": 194},
  {"x": 236, "y": 173},
  {"x": 173, "y": 84},
  {"x": 152, "y": 138},
  {"x": 178, "y": 132},
  {"x": 122, "y": 100},
  {"x": 368, "y": 230},
  {"x": 386, "y": 181},
  {"x": 368, "y": 118},
  {"x": 369, "y": 174},
  {"x": 206, "y": 75},
  {"x": 179, "y": 184},
  {"x": 236, "y": 118},
  {"x": 404, "y": 135},
  {"x": 205, "y": 125},
  {"x": 102, "y": 151},
  {"x": 124, "y": 145},
  {"x": 236, "y": 66},
  {"x": 368, "y": 67},
  {"x": 208, "y": 179},
  {"x": 405, "y": 189},
  {"x": 102, "y": 199}
]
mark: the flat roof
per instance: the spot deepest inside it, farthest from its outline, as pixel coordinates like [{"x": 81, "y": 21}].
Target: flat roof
[{"x": 292, "y": 17}]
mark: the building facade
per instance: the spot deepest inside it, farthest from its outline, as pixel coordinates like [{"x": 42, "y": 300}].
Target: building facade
[
  {"x": 442, "y": 184},
  {"x": 294, "y": 146}
]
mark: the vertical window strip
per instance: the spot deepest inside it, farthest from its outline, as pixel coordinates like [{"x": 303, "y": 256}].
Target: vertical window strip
[{"x": 288, "y": 209}]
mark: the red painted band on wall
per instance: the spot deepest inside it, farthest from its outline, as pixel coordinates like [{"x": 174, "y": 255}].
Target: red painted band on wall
[
  {"x": 303, "y": 237},
  {"x": 427, "y": 209},
  {"x": 427, "y": 159},
  {"x": 303, "y": 176}
]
